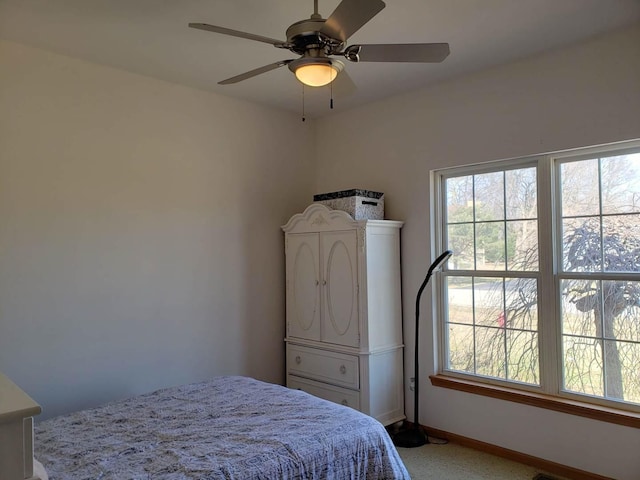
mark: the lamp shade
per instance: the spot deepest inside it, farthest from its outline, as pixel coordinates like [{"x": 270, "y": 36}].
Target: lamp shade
[
  {"x": 316, "y": 72},
  {"x": 316, "y": 75}
]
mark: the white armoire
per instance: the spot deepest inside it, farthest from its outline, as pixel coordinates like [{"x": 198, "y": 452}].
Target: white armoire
[{"x": 344, "y": 315}]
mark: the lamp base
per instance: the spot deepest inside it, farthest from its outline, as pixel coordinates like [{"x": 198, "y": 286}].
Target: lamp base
[{"x": 414, "y": 437}]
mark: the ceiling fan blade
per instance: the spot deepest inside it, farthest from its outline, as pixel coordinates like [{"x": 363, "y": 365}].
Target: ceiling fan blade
[
  {"x": 343, "y": 85},
  {"x": 236, "y": 33},
  {"x": 349, "y": 16},
  {"x": 403, "y": 52},
  {"x": 253, "y": 73}
]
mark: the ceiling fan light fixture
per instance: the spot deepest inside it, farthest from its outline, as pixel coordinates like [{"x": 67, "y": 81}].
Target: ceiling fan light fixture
[
  {"x": 316, "y": 75},
  {"x": 316, "y": 72}
]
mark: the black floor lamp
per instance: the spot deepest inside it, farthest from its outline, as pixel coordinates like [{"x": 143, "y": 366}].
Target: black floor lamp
[{"x": 414, "y": 436}]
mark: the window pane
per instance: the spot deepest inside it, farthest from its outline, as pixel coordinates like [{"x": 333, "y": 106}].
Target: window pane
[
  {"x": 581, "y": 245},
  {"x": 621, "y": 302},
  {"x": 460, "y": 241},
  {"x": 522, "y": 245},
  {"x": 583, "y": 365},
  {"x": 522, "y": 348},
  {"x": 596, "y": 315},
  {"x": 613, "y": 377},
  {"x": 489, "y": 196},
  {"x": 490, "y": 248},
  {"x": 521, "y": 194},
  {"x": 580, "y": 189},
  {"x": 621, "y": 243},
  {"x": 628, "y": 388},
  {"x": 522, "y": 303},
  {"x": 490, "y": 353},
  {"x": 460, "y": 348},
  {"x": 459, "y": 199},
  {"x": 488, "y": 298},
  {"x": 460, "y": 299},
  {"x": 621, "y": 184},
  {"x": 580, "y": 308}
]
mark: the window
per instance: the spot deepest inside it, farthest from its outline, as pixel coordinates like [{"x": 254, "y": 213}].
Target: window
[{"x": 543, "y": 290}]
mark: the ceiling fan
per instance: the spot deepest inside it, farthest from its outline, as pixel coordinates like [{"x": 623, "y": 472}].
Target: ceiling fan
[{"x": 317, "y": 39}]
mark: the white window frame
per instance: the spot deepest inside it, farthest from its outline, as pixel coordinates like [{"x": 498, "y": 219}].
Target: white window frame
[{"x": 550, "y": 258}]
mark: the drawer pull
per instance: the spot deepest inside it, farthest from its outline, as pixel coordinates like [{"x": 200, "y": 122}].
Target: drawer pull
[
  {"x": 343, "y": 369},
  {"x": 344, "y": 402},
  {"x": 298, "y": 360}
]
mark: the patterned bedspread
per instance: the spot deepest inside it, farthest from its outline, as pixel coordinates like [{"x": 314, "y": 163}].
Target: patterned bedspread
[{"x": 226, "y": 428}]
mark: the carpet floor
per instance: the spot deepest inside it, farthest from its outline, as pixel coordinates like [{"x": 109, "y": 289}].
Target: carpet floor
[{"x": 454, "y": 462}]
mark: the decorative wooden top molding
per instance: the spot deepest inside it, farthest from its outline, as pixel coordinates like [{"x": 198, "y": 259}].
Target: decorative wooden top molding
[
  {"x": 14, "y": 403},
  {"x": 317, "y": 215},
  {"x": 320, "y": 217}
]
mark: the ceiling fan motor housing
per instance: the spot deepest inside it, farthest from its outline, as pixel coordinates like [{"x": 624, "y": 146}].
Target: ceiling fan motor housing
[{"x": 304, "y": 37}]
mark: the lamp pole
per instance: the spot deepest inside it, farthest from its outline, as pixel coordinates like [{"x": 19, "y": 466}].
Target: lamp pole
[{"x": 415, "y": 437}]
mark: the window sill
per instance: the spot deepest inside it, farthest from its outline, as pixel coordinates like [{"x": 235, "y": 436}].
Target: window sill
[{"x": 572, "y": 407}]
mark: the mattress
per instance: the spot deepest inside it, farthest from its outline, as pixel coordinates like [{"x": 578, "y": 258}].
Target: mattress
[{"x": 226, "y": 428}]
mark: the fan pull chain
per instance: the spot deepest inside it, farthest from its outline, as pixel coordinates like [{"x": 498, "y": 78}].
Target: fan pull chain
[
  {"x": 331, "y": 100},
  {"x": 303, "y": 119}
]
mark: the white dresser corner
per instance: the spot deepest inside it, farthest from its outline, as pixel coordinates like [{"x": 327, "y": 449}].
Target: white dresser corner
[{"x": 17, "y": 410}]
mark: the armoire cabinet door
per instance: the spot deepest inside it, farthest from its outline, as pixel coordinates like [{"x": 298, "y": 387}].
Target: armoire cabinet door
[
  {"x": 340, "y": 288},
  {"x": 303, "y": 286}
]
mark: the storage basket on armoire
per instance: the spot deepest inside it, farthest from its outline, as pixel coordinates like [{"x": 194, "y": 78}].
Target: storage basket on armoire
[{"x": 360, "y": 204}]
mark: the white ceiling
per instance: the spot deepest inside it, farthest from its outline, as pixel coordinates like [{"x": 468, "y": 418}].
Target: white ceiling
[{"x": 151, "y": 37}]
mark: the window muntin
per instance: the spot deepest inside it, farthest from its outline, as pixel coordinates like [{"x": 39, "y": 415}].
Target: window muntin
[{"x": 492, "y": 317}]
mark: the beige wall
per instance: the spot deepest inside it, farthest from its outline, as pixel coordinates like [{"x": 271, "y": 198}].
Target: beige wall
[
  {"x": 584, "y": 95},
  {"x": 139, "y": 230}
]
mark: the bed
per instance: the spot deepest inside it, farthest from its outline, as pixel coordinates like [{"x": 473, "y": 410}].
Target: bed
[{"x": 229, "y": 427}]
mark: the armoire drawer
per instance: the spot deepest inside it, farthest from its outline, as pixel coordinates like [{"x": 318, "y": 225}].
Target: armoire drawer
[
  {"x": 325, "y": 366},
  {"x": 332, "y": 393}
]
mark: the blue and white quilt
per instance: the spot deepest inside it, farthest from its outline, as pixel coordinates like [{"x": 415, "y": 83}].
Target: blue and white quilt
[{"x": 226, "y": 428}]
